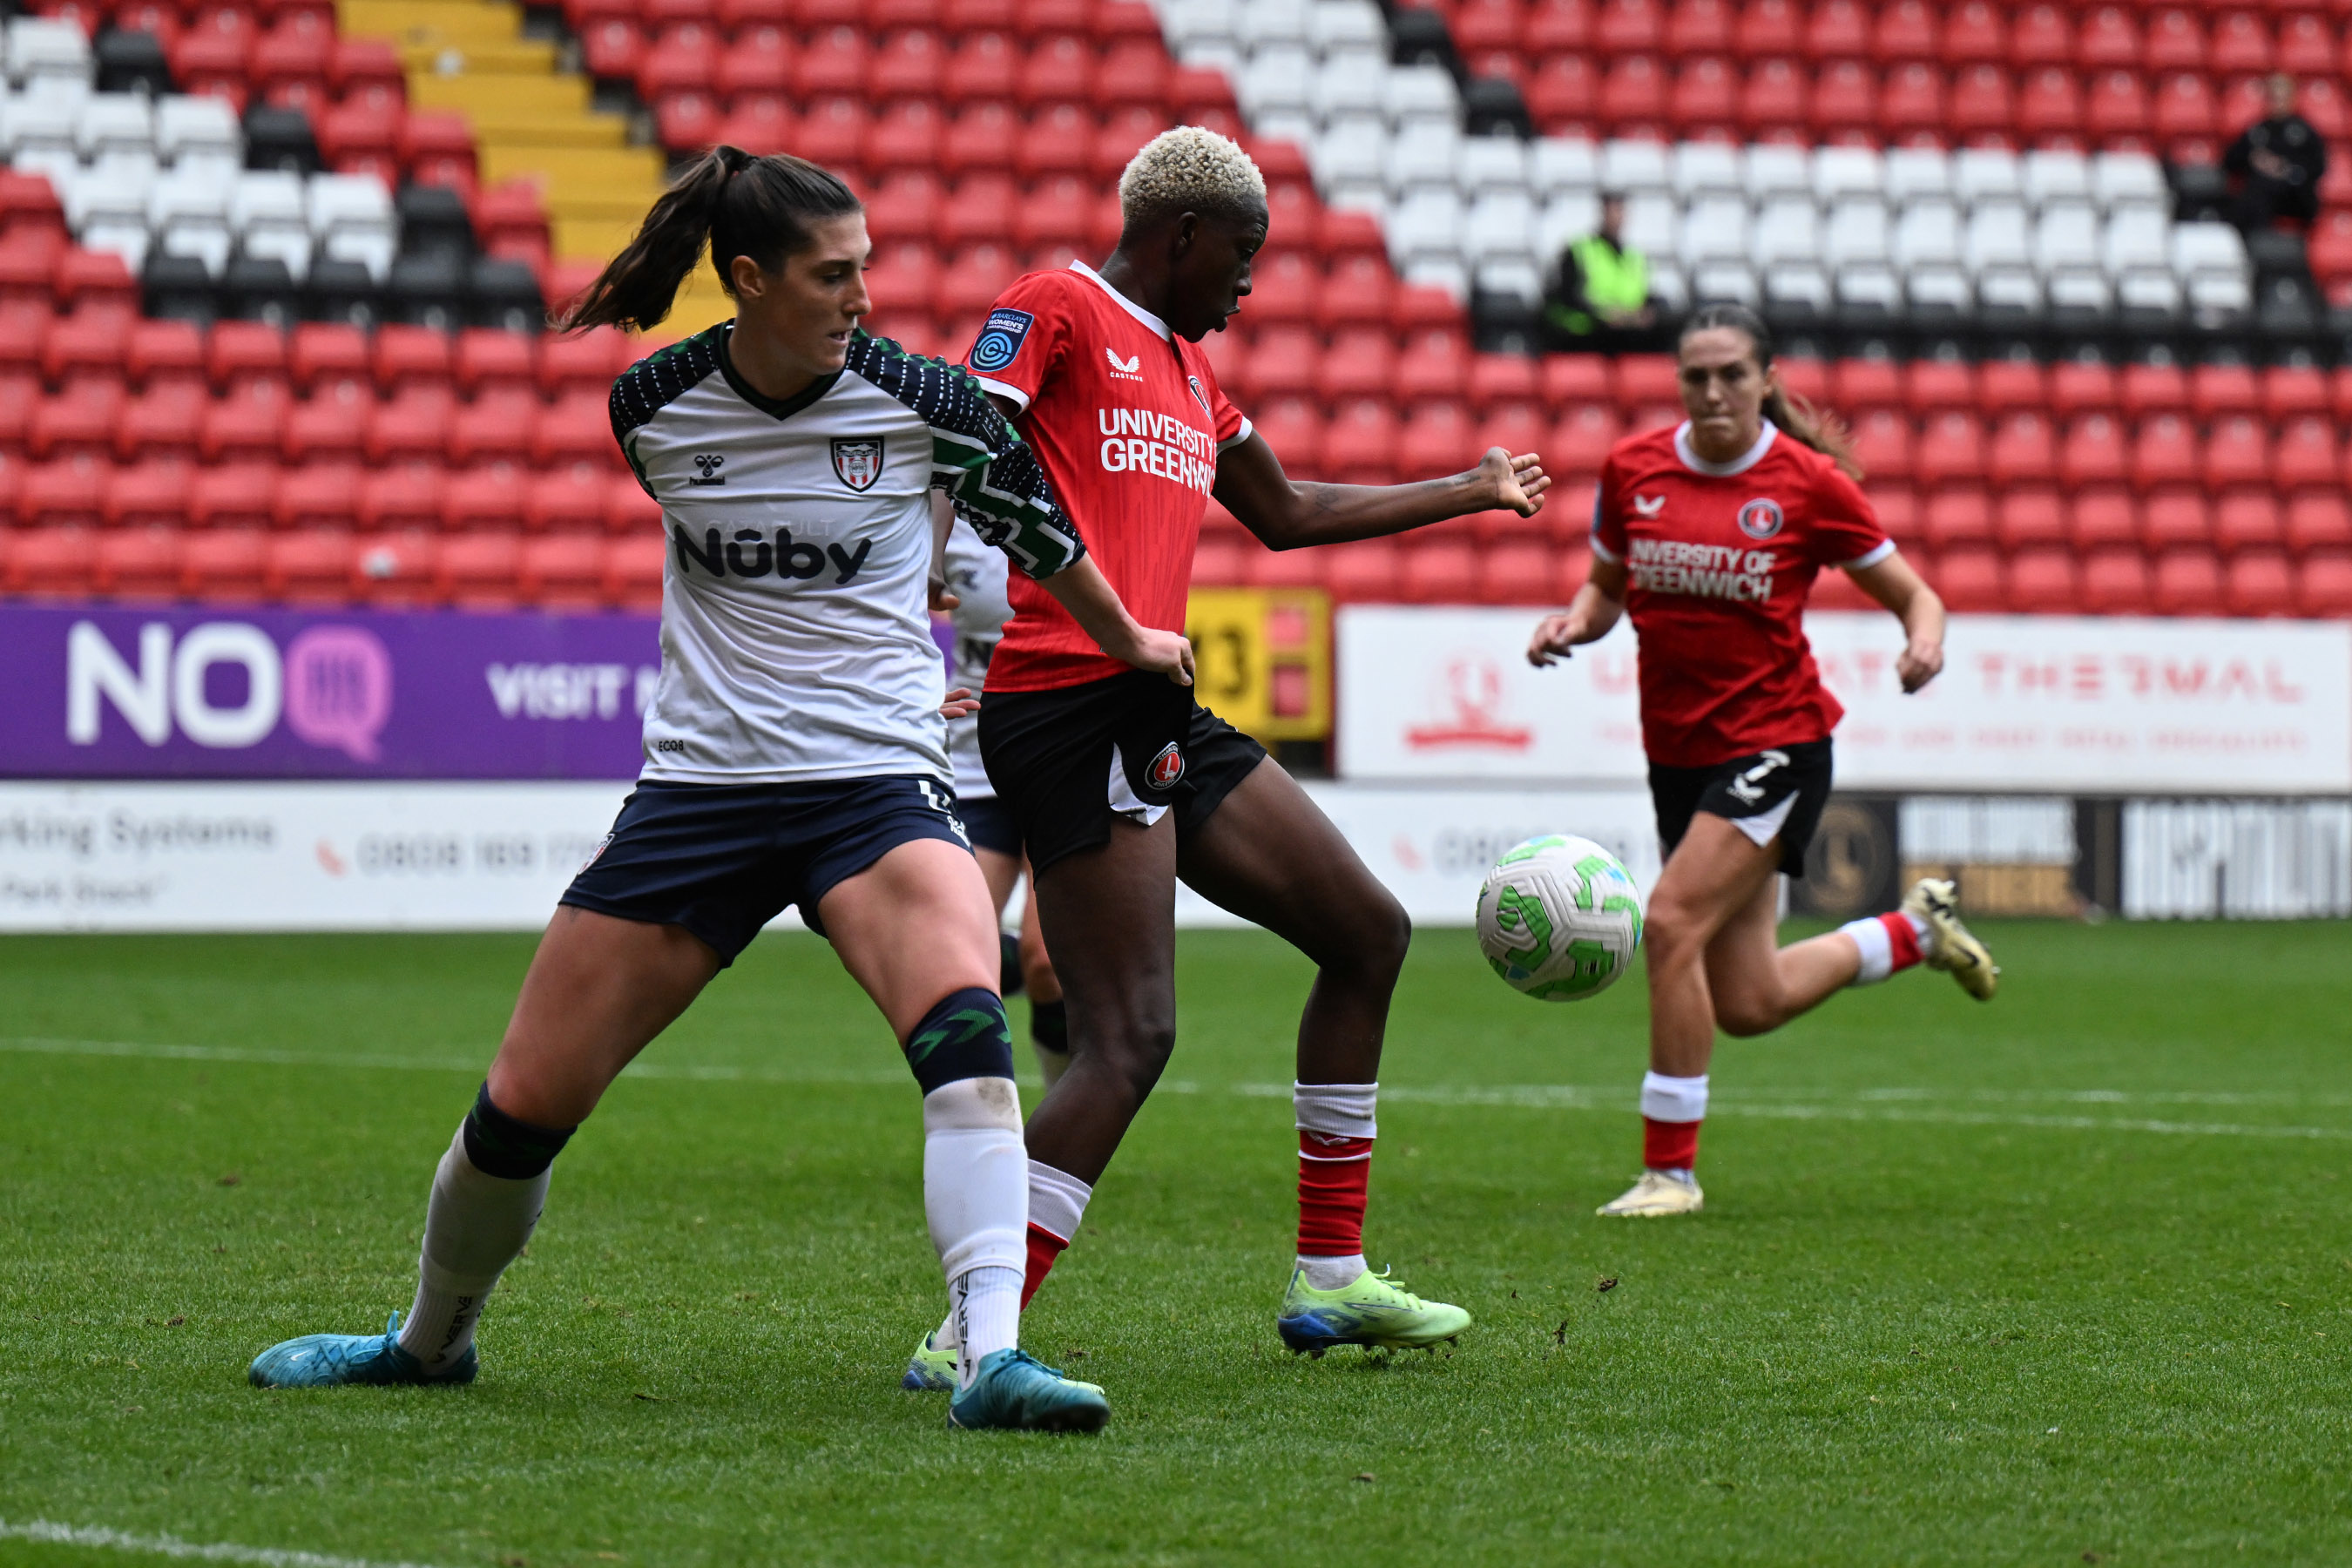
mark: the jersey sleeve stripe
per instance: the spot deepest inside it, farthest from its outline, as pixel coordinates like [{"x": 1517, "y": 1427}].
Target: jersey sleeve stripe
[
  {"x": 987, "y": 471},
  {"x": 1005, "y": 389},
  {"x": 1599, "y": 549},
  {"x": 1240, "y": 435},
  {"x": 1871, "y": 557}
]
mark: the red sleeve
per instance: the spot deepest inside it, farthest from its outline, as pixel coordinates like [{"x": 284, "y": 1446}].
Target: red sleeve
[
  {"x": 1845, "y": 530},
  {"x": 1232, "y": 424},
  {"x": 1608, "y": 513},
  {"x": 1019, "y": 346}
]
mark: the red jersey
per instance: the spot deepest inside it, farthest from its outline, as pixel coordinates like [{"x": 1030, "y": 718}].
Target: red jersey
[
  {"x": 1718, "y": 560},
  {"x": 1127, "y": 420}
]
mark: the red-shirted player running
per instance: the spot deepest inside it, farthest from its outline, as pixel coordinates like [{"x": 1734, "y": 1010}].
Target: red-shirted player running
[
  {"x": 1121, "y": 786},
  {"x": 1711, "y": 534}
]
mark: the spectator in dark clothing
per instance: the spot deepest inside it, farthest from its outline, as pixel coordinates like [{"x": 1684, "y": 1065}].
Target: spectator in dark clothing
[
  {"x": 1599, "y": 294},
  {"x": 2278, "y": 161}
]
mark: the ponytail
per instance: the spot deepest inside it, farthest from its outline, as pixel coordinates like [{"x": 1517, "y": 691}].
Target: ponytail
[
  {"x": 729, "y": 201},
  {"x": 1792, "y": 411}
]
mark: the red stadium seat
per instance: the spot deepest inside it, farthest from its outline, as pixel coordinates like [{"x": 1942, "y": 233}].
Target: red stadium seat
[
  {"x": 1360, "y": 361},
  {"x": 2175, "y": 39},
  {"x": 1365, "y": 571},
  {"x": 2024, "y": 450},
  {"x": 235, "y": 495},
  {"x": 87, "y": 344},
  {"x": 2323, "y": 587},
  {"x": 491, "y": 357},
  {"x": 1846, "y": 98},
  {"x": 1439, "y": 568},
  {"x": 1359, "y": 444},
  {"x": 2042, "y": 581},
  {"x": 147, "y": 494},
  {"x": 2248, "y": 519},
  {"x": 1629, "y": 26},
  {"x": 2306, "y": 46},
  {"x": 395, "y": 570},
  {"x": 572, "y": 500},
  {"x": 1911, "y": 100},
  {"x": 2318, "y": 521},
  {"x": 165, "y": 351},
  {"x": 1436, "y": 440},
  {"x": 407, "y": 356},
  {"x": 485, "y": 498},
  {"x": 2290, "y": 390},
  {"x": 2218, "y": 389},
  {"x": 1500, "y": 379},
  {"x": 1834, "y": 590},
  {"x": 2306, "y": 454},
  {"x": 2241, "y": 41},
  {"x": 2103, "y": 516},
  {"x": 164, "y": 421},
  {"x": 1580, "y": 441},
  {"x": 982, "y": 66},
  {"x": 1633, "y": 95},
  {"x": 140, "y": 563},
  {"x": 404, "y": 499},
  {"x": 2145, "y": 389},
  {"x": 1951, "y": 447},
  {"x": 2164, "y": 452},
  {"x": 2040, "y": 35},
  {"x": 1564, "y": 95},
  {"x": 1517, "y": 571},
  {"x": 313, "y": 568},
  {"x": 2077, "y": 386},
  {"x": 1770, "y": 27},
  {"x": 563, "y": 572},
  {"x": 2027, "y": 518},
  {"x": 82, "y": 419},
  {"x": 2186, "y": 115},
  {"x": 2115, "y": 583},
  {"x": 575, "y": 427},
  {"x": 587, "y": 362},
  {"x": 1981, "y": 104},
  {"x": 2109, "y": 38},
  {"x": 329, "y": 426},
  {"x": 67, "y": 492},
  {"x": 2115, "y": 112},
  {"x": 1775, "y": 99},
  {"x": 228, "y": 566},
  {"x": 1897, "y": 506},
  {"x": 333, "y": 354},
  {"x": 2050, "y": 106},
  {"x": 1361, "y": 291},
  {"x": 1435, "y": 363},
  {"x": 322, "y": 496},
  {"x": 1969, "y": 580},
  {"x": 1957, "y": 515},
  {"x": 1861, "y": 383},
  {"x": 242, "y": 354},
  {"x": 1882, "y": 445},
  {"x": 243, "y": 425},
  {"x": 2175, "y": 518},
  {"x": 1838, "y": 30},
  {"x": 51, "y": 563},
  {"x": 497, "y": 425},
  {"x": 629, "y": 513},
  {"x": 2259, "y": 582},
  {"x": 2238, "y": 452},
  {"x": 411, "y": 425},
  {"x": 1907, "y": 31}
]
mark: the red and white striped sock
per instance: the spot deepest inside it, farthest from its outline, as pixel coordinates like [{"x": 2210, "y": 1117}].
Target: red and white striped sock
[
  {"x": 1336, "y": 1129},
  {"x": 1889, "y": 943},
  {"x": 1672, "y": 1111},
  {"x": 1057, "y": 1201}
]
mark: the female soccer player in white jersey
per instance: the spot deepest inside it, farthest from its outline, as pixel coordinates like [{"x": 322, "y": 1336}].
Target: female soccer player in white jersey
[
  {"x": 1710, "y": 534},
  {"x": 1120, "y": 788},
  {"x": 793, "y": 756}
]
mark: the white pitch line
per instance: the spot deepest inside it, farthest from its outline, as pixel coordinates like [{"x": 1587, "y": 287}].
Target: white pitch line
[
  {"x": 1903, "y": 1105},
  {"x": 54, "y": 1534}
]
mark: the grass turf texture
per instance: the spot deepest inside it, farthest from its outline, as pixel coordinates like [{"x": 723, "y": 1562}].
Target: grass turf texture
[{"x": 1859, "y": 1353}]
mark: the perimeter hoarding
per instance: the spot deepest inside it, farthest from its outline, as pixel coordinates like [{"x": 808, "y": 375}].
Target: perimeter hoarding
[
  {"x": 2073, "y": 705},
  {"x": 125, "y": 692}
]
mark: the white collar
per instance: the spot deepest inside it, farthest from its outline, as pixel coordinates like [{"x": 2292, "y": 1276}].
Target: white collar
[
  {"x": 1129, "y": 306},
  {"x": 1740, "y": 465}
]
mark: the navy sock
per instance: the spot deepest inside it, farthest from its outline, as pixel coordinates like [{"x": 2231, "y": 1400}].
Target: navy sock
[
  {"x": 1008, "y": 964},
  {"x": 500, "y": 1145},
  {"x": 1049, "y": 1025},
  {"x": 964, "y": 1037}
]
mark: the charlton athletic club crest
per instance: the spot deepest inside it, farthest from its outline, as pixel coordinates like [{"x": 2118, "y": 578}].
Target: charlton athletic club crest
[
  {"x": 859, "y": 461},
  {"x": 1760, "y": 519},
  {"x": 1166, "y": 768}
]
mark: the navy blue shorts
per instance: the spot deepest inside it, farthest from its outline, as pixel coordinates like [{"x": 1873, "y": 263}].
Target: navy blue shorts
[
  {"x": 989, "y": 822},
  {"x": 722, "y": 860}
]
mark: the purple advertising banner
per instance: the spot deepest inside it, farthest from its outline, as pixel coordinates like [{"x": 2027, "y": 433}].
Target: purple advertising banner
[{"x": 116, "y": 692}]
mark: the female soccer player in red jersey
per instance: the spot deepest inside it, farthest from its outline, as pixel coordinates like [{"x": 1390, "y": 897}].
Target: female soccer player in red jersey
[
  {"x": 1119, "y": 788},
  {"x": 1710, "y": 535}
]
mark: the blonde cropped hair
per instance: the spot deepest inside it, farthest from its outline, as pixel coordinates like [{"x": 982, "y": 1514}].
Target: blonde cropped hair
[{"x": 1189, "y": 169}]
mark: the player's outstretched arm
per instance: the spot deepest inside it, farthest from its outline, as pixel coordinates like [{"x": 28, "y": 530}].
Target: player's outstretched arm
[
  {"x": 1893, "y": 583},
  {"x": 1588, "y": 619},
  {"x": 1094, "y": 605},
  {"x": 1289, "y": 514}
]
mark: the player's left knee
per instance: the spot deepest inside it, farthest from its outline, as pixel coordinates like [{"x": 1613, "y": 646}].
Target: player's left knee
[
  {"x": 964, "y": 1037},
  {"x": 1746, "y": 1018}
]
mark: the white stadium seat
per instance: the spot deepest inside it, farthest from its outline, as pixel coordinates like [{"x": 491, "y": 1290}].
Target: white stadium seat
[
  {"x": 1774, "y": 171},
  {"x": 1708, "y": 168},
  {"x": 1848, "y": 172},
  {"x": 1632, "y": 167},
  {"x": 1926, "y": 235},
  {"x": 2053, "y": 176},
  {"x": 1986, "y": 174},
  {"x": 1714, "y": 228},
  {"x": 1997, "y": 237},
  {"x": 1493, "y": 164},
  {"x": 2066, "y": 236},
  {"x": 1411, "y": 94},
  {"x": 1558, "y": 164},
  {"x": 1856, "y": 234},
  {"x": 1787, "y": 229},
  {"x": 1423, "y": 154}
]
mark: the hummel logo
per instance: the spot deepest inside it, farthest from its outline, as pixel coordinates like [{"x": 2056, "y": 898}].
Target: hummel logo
[
  {"x": 709, "y": 463},
  {"x": 1649, "y": 506},
  {"x": 1128, "y": 366}
]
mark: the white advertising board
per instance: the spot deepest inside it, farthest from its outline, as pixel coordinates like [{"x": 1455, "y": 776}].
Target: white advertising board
[
  {"x": 2107, "y": 705},
  {"x": 494, "y": 856}
]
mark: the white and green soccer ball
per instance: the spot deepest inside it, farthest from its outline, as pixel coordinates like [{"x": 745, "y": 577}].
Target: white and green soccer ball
[{"x": 1559, "y": 919}]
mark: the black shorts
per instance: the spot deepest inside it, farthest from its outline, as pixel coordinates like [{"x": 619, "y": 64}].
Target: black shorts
[
  {"x": 722, "y": 860},
  {"x": 1066, "y": 761},
  {"x": 990, "y": 824},
  {"x": 1778, "y": 793}
]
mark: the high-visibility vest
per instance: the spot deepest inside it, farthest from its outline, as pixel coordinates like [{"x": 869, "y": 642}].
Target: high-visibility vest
[{"x": 1614, "y": 279}]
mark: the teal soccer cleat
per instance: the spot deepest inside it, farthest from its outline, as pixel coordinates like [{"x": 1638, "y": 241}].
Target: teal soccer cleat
[
  {"x": 1014, "y": 1390},
  {"x": 932, "y": 1368},
  {"x": 329, "y": 1361},
  {"x": 1373, "y": 1313}
]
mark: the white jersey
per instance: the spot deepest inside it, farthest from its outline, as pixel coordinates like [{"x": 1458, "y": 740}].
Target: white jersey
[
  {"x": 977, "y": 577},
  {"x": 795, "y": 627}
]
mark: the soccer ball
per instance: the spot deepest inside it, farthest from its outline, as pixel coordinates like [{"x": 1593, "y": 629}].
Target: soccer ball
[{"x": 1559, "y": 919}]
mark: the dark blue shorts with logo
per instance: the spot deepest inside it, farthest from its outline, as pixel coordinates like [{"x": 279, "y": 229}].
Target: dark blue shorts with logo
[
  {"x": 722, "y": 860},
  {"x": 1067, "y": 761}
]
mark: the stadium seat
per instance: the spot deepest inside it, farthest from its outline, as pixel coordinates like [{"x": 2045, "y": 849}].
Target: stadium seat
[
  {"x": 1957, "y": 515},
  {"x": 2115, "y": 583},
  {"x": 2030, "y": 518},
  {"x": 2318, "y": 521},
  {"x": 2259, "y": 583},
  {"x": 227, "y": 565},
  {"x": 319, "y": 496},
  {"x": 2247, "y": 519},
  {"x": 1364, "y": 571},
  {"x": 2043, "y": 581},
  {"x": 2323, "y": 587},
  {"x": 2187, "y": 583},
  {"x": 1360, "y": 444},
  {"x": 2237, "y": 452},
  {"x": 1969, "y": 580},
  {"x": 1439, "y": 569},
  {"x": 395, "y": 570},
  {"x": 1951, "y": 447},
  {"x": 2177, "y": 517}
]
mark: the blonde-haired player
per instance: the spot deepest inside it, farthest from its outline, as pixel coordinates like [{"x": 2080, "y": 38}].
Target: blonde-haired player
[{"x": 1119, "y": 790}]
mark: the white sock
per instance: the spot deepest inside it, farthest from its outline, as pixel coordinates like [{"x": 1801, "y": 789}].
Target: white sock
[
  {"x": 1869, "y": 935},
  {"x": 1667, "y": 1099},
  {"x": 1057, "y": 1202},
  {"x": 475, "y": 1225},
  {"x": 1332, "y": 1273},
  {"x": 976, "y": 1197}
]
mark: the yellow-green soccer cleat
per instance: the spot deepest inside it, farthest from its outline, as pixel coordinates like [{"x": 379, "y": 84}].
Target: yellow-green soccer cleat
[
  {"x": 933, "y": 1367},
  {"x": 1951, "y": 946},
  {"x": 1655, "y": 1196},
  {"x": 1374, "y": 1313}
]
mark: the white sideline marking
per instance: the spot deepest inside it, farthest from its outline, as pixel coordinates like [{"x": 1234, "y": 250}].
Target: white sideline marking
[
  {"x": 1788, "y": 1105},
  {"x": 54, "y": 1534}
]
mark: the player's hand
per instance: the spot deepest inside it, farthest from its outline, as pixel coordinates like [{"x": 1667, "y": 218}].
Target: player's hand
[
  {"x": 1518, "y": 483},
  {"x": 1920, "y": 662},
  {"x": 941, "y": 600},
  {"x": 1169, "y": 653},
  {"x": 1556, "y": 638},
  {"x": 959, "y": 704}
]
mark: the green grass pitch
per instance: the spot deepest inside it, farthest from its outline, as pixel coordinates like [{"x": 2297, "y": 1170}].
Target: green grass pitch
[{"x": 2058, "y": 1276}]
